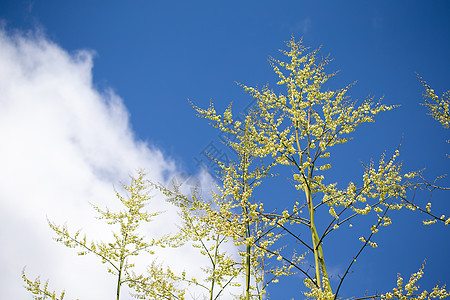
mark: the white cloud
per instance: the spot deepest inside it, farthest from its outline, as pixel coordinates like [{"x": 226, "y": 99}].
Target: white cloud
[
  {"x": 64, "y": 144},
  {"x": 303, "y": 26}
]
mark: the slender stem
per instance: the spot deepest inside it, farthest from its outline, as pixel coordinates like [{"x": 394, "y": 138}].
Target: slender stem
[
  {"x": 119, "y": 279},
  {"x": 311, "y": 212},
  {"x": 318, "y": 252},
  {"x": 247, "y": 272},
  {"x": 314, "y": 234},
  {"x": 247, "y": 234},
  {"x": 247, "y": 260},
  {"x": 319, "y": 260},
  {"x": 123, "y": 257},
  {"x": 213, "y": 280}
]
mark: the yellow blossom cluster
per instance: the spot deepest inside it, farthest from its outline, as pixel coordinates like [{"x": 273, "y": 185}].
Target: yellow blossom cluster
[{"x": 409, "y": 290}]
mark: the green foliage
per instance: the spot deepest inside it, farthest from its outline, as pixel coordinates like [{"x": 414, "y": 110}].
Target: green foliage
[
  {"x": 117, "y": 254},
  {"x": 439, "y": 109},
  {"x": 200, "y": 230},
  {"x": 294, "y": 132},
  {"x": 410, "y": 288},
  {"x": 40, "y": 291}
]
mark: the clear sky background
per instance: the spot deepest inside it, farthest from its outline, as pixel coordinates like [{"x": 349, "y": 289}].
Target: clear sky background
[{"x": 92, "y": 90}]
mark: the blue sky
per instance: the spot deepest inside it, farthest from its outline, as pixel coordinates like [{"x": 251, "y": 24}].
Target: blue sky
[{"x": 116, "y": 77}]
